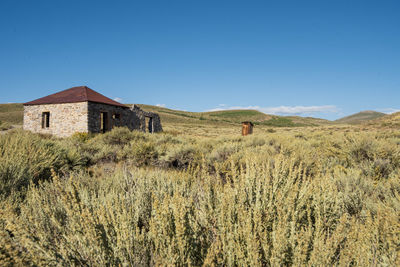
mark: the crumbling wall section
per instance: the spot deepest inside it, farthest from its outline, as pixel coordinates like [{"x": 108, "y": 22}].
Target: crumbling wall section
[{"x": 139, "y": 116}]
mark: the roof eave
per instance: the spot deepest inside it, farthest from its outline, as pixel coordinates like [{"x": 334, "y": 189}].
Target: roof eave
[
  {"x": 39, "y": 104},
  {"x": 66, "y": 102},
  {"x": 120, "y": 105}
]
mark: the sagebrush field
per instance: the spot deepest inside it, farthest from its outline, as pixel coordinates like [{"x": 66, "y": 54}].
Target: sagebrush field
[{"x": 202, "y": 195}]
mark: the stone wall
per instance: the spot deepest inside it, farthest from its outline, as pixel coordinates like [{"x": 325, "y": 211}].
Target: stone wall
[
  {"x": 65, "y": 119},
  {"x": 140, "y": 115},
  {"x": 134, "y": 118},
  {"x": 95, "y": 110},
  {"x": 69, "y": 118}
]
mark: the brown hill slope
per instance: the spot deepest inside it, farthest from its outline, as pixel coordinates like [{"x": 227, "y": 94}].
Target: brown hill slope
[
  {"x": 233, "y": 117},
  {"x": 392, "y": 120},
  {"x": 361, "y": 117}
]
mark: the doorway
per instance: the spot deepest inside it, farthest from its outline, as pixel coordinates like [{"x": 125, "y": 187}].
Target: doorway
[
  {"x": 103, "y": 122},
  {"x": 149, "y": 124}
]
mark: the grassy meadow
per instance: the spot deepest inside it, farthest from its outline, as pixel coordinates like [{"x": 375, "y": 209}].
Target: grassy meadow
[
  {"x": 201, "y": 194},
  {"x": 10, "y": 115}
]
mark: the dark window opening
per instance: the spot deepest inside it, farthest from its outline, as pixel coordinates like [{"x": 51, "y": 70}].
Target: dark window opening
[
  {"x": 45, "y": 119},
  {"x": 103, "y": 122},
  {"x": 116, "y": 119}
]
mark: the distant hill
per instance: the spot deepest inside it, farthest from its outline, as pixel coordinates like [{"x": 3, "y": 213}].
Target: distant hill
[
  {"x": 361, "y": 117},
  {"x": 309, "y": 121},
  {"x": 233, "y": 117},
  {"x": 225, "y": 117},
  {"x": 392, "y": 120},
  {"x": 13, "y": 114}
]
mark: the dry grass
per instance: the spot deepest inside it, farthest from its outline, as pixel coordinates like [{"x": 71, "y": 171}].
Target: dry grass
[
  {"x": 207, "y": 196},
  {"x": 11, "y": 113},
  {"x": 5, "y": 126}
]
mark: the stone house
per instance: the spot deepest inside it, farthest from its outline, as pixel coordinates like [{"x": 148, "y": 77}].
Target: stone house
[{"x": 81, "y": 109}]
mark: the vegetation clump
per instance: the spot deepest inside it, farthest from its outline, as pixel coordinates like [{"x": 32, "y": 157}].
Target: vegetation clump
[
  {"x": 5, "y": 126},
  {"x": 11, "y": 113},
  {"x": 28, "y": 158},
  {"x": 280, "y": 122}
]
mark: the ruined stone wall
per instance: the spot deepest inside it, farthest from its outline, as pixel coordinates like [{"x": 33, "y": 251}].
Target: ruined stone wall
[
  {"x": 65, "y": 119},
  {"x": 140, "y": 115},
  {"x": 95, "y": 110}
]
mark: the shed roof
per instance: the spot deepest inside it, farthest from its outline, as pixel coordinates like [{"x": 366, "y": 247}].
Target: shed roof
[{"x": 73, "y": 95}]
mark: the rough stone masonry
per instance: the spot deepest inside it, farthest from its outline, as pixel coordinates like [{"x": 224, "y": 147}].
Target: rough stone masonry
[
  {"x": 86, "y": 111},
  {"x": 66, "y": 119}
]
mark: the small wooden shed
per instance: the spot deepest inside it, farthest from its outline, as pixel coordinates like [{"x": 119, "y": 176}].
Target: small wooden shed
[{"x": 247, "y": 128}]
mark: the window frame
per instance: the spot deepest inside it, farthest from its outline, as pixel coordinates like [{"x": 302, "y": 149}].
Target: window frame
[{"x": 45, "y": 119}]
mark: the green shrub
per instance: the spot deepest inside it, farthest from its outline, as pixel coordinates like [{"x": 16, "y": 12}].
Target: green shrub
[
  {"x": 223, "y": 152},
  {"x": 119, "y": 136},
  {"x": 143, "y": 154},
  {"x": 5, "y": 126},
  {"x": 26, "y": 157},
  {"x": 81, "y": 137},
  {"x": 181, "y": 157},
  {"x": 255, "y": 141}
]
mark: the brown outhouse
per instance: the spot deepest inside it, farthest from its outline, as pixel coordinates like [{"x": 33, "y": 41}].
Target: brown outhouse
[{"x": 247, "y": 128}]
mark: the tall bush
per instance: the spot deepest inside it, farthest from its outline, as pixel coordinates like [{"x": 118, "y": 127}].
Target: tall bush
[{"x": 26, "y": 157}]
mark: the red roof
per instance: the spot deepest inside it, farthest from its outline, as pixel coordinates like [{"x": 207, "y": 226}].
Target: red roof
[{"x": 73, "y": 95}]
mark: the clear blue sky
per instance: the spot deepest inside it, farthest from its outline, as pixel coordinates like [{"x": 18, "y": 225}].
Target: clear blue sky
[{"x": 321, "y": 58}]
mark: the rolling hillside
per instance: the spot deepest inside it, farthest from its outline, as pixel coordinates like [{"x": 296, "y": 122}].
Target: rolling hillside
[
  {"x": 392, "y": 120},
  {"x": 233, "y": 117},
  {"x": 13, "y": 114},
  {"x": 361, "y": 117}
]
